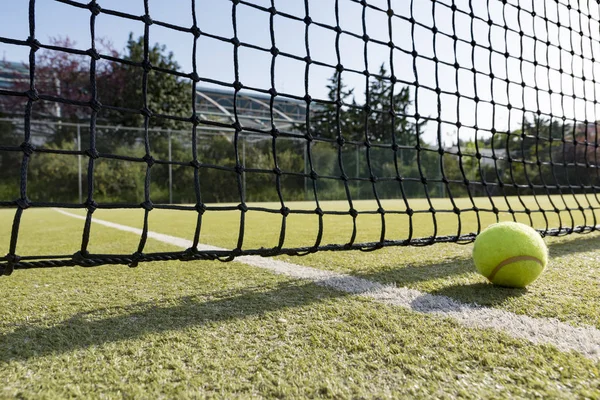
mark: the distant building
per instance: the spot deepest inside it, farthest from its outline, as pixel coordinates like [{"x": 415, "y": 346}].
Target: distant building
[
  {"x": 486, "y": 152},
  {"x": 253, "y": 109},
  {"x": 10, "y": 72}
]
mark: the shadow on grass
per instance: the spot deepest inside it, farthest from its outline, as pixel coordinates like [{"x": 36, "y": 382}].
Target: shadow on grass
[
  {"x": 484, "y": 294},
  {"x": 94, "y": 328},
  {"x": 580, "y": 244},
  {"x": 408, "y": 274}
]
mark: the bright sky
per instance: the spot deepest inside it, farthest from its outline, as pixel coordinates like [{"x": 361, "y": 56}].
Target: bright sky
[{"x": 215, "y": 58}]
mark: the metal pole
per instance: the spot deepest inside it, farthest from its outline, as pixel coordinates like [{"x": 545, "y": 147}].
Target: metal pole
[
  {"x": 357, "y": 172},
  {"x": 170, "y": 170},
  {"x": 244, "y": 164},
  {"x": 306, "y": 171},
  {"x": 79, "y": 177}
]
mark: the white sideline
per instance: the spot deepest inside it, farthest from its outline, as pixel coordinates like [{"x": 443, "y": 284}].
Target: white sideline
[{"x": 585, "y": 340}]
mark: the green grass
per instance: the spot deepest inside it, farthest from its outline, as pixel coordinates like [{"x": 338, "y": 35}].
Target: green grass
[{"x": 227, "y": 330}]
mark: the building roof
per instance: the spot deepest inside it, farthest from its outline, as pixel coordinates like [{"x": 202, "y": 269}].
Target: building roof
[{"x": 253, "y": 109}]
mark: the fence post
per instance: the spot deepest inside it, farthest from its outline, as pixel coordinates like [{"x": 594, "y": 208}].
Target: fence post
[
  {"x": 170, "y": 169},
  {"x": 306, "y": 171},
  {"x": 244, "y": 164},
  {"x": 79, "y": 177},
  {"x": 357, "y": 172}
]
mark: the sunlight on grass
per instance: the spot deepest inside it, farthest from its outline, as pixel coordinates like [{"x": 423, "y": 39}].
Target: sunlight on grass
[{"x": 195, "y": 329}]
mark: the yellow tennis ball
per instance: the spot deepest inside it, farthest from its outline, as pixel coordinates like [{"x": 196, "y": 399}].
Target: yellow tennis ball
[{"x": 510, "y": 254}]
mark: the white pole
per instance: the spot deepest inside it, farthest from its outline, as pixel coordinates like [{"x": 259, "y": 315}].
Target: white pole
[
  {"x": 306, "y": 172},
  {"x": 244, "y": 164},
  {"x": 357, "y": 172},
  {"x": 170, "y": 171},
  {"x": 79, "y": 163}
]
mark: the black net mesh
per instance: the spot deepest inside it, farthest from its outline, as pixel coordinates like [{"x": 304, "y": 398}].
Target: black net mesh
[{"x": 480, "y": 110}]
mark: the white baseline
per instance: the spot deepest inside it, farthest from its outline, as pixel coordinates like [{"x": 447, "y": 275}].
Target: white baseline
[{"x": 583, "y": 339}]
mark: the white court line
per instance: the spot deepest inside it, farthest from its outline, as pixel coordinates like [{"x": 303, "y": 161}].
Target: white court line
[{"x": 584, "y": 339}]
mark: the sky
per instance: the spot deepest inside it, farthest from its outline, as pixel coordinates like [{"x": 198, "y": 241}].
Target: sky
[{"x": 215, "y": 58}]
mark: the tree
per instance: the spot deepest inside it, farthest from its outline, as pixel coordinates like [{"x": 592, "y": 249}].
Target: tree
[
  {"x": 167, "y": 94},
  {"x": 324, "y": 121}
]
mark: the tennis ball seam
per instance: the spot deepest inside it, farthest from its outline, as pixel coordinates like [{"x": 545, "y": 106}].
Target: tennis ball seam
[{"x": 510, "y": 261}]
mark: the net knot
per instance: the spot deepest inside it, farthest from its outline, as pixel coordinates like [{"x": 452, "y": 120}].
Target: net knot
[
  {"x": 189, "y": 254},
  {"x": 353, "y": 212},
  {"x": 147, "y": 205},
  {"x": 195, "y": 119},
  {"x": 80, "y": 257},
  {"x": 373, "y": 178},
  {"x": 410, "y": 212},
  {"x": 277, "y": 171},
  {"x": 91, "y": 206},
  {"x": 149, "y": 160},
  {"x": 274, "y": 51},
  {"x": 200, "y": 208},
  {"x": 366, "y": 38},
  {"x": 32, "y": 94},
  {"x": 235, "y": 41},
  {"x": 27, "y": 148},
  {"x": 94, "y": 7},
  {"x": 93, "y": 53},
  {"x": 196, "y": 164},
  {"x": 340, "y": 141},
  {"x": 147, "y": 20},
  {"x": 95, "y": 105},
  {"x": 92, "y": 153},
  {"x": 313, "y": 175},
  {"x": 307, "y": 20},
  {"x": 285, "y": 211},
  {"x": 11, "y": 261},
  {"x": 381, "y": 211},
  {"x": 339, "y": 68},
  {"x": 307, "y": 98},
  {"x": 135, "y": 259},
  {"x": 319, "y": 211},
  {"x": 23, "y": 203},
  {"x": 239, "y": 169},
  {"x": 147, "y": 65},
  {"x": 242, "y": 207},
  {"x": 146, "y": 112},
  {"x": 196, "y": 31},
  {"x": 33, "y": 43},
  {"x": 273, "y": 92}
]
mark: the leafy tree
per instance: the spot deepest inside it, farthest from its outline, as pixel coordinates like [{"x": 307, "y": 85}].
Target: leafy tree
[
  {"x": 167, "y": 94},
  {"x": 326, "y": 118},
  {"x": 10, "y": 162}
]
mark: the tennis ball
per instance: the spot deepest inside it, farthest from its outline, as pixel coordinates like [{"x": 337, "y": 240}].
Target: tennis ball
[{"x": 510, "y": 254}]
